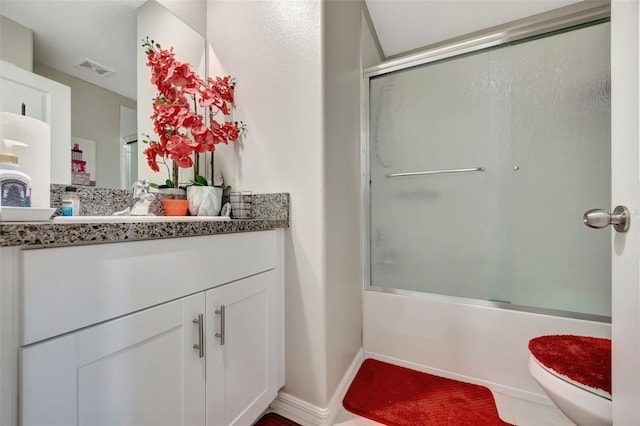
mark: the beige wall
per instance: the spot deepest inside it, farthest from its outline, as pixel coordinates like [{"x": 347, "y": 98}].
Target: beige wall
[
  {"x": 370, "y": 54},
  {"x": 297, "y": 66},
  {"x": 341, "y": 83},
  {"x": 16, "y": 43},
  {"x": 95, "y": 115},
  {"x": 191, "y": 12}
]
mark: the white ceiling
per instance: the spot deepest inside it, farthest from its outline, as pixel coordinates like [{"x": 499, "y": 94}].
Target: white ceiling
[
  {"x": 67, "y": 31},
  {"x": 404, "y": 25}
]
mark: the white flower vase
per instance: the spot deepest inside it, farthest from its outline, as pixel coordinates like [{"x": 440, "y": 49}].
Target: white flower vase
[{"x": 204, "y": 200}]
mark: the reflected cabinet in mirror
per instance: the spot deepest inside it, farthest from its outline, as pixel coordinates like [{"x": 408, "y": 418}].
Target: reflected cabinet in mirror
[{"x": 79, "y": 66}]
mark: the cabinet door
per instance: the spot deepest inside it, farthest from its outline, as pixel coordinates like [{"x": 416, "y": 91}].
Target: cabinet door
[
  {"x": 242, "y": 370},
  {"x": 141, "y": 369}
]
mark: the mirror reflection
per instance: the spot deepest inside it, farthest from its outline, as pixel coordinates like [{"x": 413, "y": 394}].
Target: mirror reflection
[{"x": 92, "y": 48}]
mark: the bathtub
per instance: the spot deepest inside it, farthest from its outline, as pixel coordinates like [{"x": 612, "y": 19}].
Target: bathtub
[{"x": 449, "y": 337}]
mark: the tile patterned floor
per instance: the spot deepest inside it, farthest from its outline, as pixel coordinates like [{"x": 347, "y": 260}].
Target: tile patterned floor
[{"x": 513, "y": 410}]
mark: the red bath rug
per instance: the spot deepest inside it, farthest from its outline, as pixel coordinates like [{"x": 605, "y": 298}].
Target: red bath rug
[
  {"x": 398, "y": 396},
  {"x": 581, "y": 359}
]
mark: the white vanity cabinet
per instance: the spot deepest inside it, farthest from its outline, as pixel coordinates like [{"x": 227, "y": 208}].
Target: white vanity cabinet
[
  {"x": 140, "y": 369},
  {"x": 242, "y": 353},
  {"x": 184, "y": 331}
]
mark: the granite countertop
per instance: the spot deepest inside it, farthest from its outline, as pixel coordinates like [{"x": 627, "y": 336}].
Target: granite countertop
[{"x": 270, "y": 211}]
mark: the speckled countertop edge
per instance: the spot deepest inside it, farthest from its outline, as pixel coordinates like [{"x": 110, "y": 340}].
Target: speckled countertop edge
[{"x": 271, "y": 211}]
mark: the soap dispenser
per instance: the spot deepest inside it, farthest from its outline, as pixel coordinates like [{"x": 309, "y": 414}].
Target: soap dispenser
[{"x": 15, "y": 186}]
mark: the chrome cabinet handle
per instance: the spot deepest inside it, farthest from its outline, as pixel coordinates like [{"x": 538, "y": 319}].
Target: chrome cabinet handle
[
  {"x": 620, "y": 218},
  {"x": 221, "y": 312},
  {"x": 200, "y": 345}
]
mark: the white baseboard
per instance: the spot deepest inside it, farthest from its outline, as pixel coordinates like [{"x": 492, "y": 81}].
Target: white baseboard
[
  {"x": 335, "y": 403},
  {"x": 311, "y": 415},
  {"x": 299, "y": 410}
]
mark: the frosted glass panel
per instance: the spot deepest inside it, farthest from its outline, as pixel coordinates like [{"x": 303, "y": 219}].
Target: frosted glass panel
[{"x": 536, "y": 116}]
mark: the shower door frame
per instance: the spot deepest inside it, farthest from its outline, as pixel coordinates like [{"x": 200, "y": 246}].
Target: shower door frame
[{"x": 559, "y": 19}]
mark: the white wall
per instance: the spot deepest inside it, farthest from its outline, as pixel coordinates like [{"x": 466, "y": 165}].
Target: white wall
[
  {"x": 342, "y": 79},
  {"x": 191, "y": 12},
  {"x": 297, "y": 67},
  {"x": 369, "y": 50},
  {"x": 273, "y": 49},
  {"x": 16, "y": 43}
]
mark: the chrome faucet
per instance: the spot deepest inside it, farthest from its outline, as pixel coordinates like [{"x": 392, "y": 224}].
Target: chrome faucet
[{"x": 140, "y": 202}]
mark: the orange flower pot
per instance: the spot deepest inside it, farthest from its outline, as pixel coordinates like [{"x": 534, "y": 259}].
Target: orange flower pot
[{"x": 175, "y": 207}]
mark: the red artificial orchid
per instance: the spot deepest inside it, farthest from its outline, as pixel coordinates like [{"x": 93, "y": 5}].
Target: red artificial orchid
[{"x": 182, "y": 132}]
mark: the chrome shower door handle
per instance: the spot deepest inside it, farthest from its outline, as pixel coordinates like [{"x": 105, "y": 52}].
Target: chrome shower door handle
[{"x": 620, "y": 218}]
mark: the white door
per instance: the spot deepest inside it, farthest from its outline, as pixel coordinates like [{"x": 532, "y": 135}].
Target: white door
[
  {"x": 625, "y": 191},
  {"x": 141, "y": 369},
  {"x": 242, "y": 368}
]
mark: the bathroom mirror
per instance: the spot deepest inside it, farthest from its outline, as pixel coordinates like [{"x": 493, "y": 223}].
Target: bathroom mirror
[{"x": 100, "y": 67}]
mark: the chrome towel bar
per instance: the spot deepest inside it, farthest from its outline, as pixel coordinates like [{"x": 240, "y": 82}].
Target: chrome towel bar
[{"x": 436, "y": 172}]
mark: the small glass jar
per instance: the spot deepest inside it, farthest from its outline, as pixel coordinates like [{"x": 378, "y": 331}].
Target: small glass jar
[{"x": 70, "y": 202}]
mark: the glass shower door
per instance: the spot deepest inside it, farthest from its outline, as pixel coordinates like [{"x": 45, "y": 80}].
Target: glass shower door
[{"x": 534, "y": 116}]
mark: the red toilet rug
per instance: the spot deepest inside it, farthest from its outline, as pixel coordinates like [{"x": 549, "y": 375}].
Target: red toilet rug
[{"x": 583, "y": 360}]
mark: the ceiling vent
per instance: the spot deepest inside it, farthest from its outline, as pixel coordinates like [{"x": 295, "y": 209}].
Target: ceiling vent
[{"x": 94, "y": 67}]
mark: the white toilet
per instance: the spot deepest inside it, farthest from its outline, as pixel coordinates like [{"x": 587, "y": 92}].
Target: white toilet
[{"x": 586, "y": 404}]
